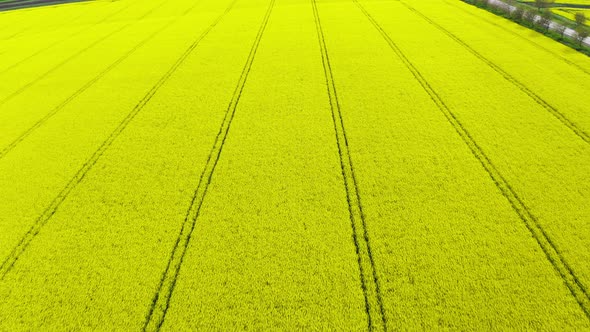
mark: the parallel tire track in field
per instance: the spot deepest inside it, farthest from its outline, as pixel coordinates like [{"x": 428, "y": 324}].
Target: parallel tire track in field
[
  {"x": 59, "y": 65},
  {"x": 553, "y": 110},
  {"x": 161, "y": 301},
  {"x": 90, "y": 83},
  {"x": 566, "y": 60},
  {"x": 61, "y": 40},
  {"x": 87, "y": 166},
  {"x": 368, "y": 273},
  {"x": 32, "y": 26},
  {"x": 554, "y": 256}
]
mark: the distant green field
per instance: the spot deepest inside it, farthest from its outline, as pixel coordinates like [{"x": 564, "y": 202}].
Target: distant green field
[{"x": 290, "y": 165}]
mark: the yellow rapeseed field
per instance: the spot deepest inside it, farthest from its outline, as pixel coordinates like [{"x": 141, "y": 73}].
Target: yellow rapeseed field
[{"x": 316, "y": 165}]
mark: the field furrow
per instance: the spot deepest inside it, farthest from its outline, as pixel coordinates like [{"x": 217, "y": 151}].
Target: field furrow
[
  {"x": 161, "y": 300},
  {"x": 135, "y": 214},
  {"x": 553, "y": 255},
  {"x": 402, "y": 155},
  {"x": 370, "y": 280},
  {"x": 556, "y": 86},
  {"x": 272, "y": 246},
  {"x": 14, "y": 28},
  {"x": 517, "y": 143},
  {"x": 22, "y": 114},
  {"x": 17, "y": 53},
  {"x": 522, "y": 34},
  {"x": 15, "y": 83},
  {"x": 73, "y": 160},
  {"x": 290, "y": 165},
  {"x": 19, "y": 137},
  {"x": 48, "y": 213}
]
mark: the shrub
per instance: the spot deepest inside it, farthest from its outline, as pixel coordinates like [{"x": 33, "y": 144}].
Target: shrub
[
  {"x": 544, "y": 21},
  {"x": 517, "y": 14},
  {"x": 560, "y": 29}
]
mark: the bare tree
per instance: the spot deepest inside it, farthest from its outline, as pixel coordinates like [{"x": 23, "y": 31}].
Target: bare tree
[
  {"x": 580, "y": 18},
  {"x": 528, "y": 16},
  {"x": 560, "y": 29},
  {"x": 545, "y": 20},
  {"x": 581, "y": 34}
]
